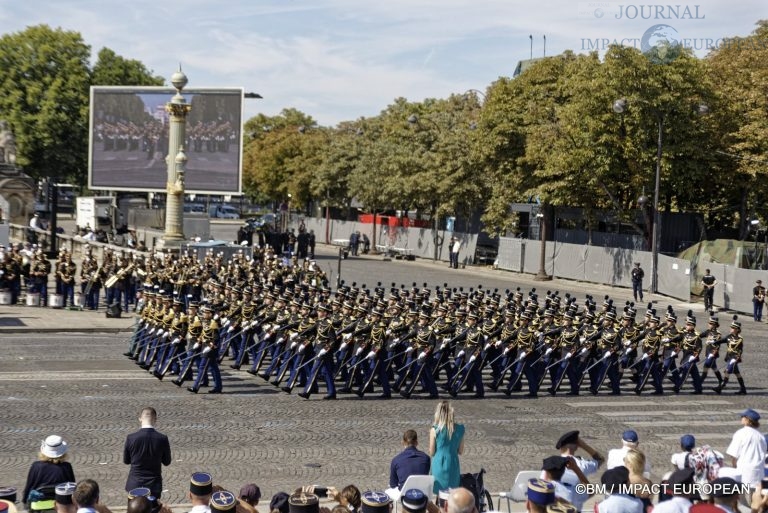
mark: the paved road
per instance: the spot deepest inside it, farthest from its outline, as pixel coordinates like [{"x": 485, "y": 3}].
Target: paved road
[{"x": 79, "y": 386}]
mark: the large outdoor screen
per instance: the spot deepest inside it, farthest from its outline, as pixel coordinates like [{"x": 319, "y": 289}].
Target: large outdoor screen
[{"x": 129, "y": 139}]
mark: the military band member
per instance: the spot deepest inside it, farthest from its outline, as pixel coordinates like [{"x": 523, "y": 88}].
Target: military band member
[
  {"x": 67, "y": 273},
  {"x": 671, "y": 336},
  {"x": 90, "y": 280},
  {"x": 38, "y": 273},
  {"x": 733, "y": 354}
]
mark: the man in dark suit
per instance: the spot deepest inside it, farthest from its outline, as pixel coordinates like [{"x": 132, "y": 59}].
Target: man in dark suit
[
  {"x": 145, "y": 450},
  {"x": 410, "y": 461}
]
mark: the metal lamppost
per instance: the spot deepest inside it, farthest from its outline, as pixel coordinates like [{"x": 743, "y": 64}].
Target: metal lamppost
[
  {"x": 177, "y": 108},
  {"x": 619, "y": 106},
  {"x": 542, "y": 274}
]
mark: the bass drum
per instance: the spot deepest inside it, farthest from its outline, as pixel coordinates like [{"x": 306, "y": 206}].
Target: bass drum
[{"x": 56, "y": 300}]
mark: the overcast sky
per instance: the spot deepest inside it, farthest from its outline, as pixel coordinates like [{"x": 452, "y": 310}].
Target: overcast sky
[{"x": 342, "y": 59}]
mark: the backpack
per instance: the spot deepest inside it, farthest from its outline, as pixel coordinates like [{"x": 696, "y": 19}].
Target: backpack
[{"x": 705, "y": 462}]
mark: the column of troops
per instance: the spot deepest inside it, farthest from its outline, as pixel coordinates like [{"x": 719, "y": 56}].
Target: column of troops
[{"x": 279, "y": 321}]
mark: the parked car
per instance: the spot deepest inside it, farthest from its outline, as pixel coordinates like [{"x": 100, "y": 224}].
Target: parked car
[{"x": 224, "y": 212}]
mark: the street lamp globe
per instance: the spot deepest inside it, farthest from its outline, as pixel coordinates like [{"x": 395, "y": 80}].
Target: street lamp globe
[
  {"x": 642, "y": 201},
  {"x": 620, "y": 105},
  {"x": 413, "y": 119}
]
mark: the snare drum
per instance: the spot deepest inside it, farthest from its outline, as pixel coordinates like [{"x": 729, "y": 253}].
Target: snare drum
[
  {"x": 79, "y": 300},
  {"x": 33, "y": 299},
  {"x": 5, "y": 297},
  {"x": 56, "y": 300}
]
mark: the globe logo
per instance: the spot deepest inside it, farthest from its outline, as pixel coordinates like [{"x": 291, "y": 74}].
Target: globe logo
[
  {"x": 661, "y": 43},
  {"x": 599, "y": 13}
]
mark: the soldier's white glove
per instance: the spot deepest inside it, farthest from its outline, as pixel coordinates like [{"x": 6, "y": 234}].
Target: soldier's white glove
[
  {"x": 342, "y": 346},
  {"x": 606, "y": 355},
  {"x": 472, "y": 358},
  {"x": 584, "y": 351},
  {"x": 733, "y": 361},
  {"x": 645, "y": 356},
  {"x": 627, "y": 351},
  {"x": 266, "y": 327},
  {"x": 347, "y": 336},
  {"x": 176, "y": 341},
  {"x": 582, "y": 339},
  {"x": 396, "y": 340},
  {"x": 207, "y": 350},
  {"x": 711, "y": 355},
  {"x": 627, "y": 342},
  {"x": 388, "y": 332},
  {"x": 301, "y": 348},
  {"x": 548, "y": 351},
  {"x": 216, "y": 317},
  {"x": 371, "y": 355},
  {"x": 691, "y": 358},
  {"x": 461, "y": 353},
  {"x": 507, "y": 350},
  {"x": 446, "y": 340},
  {"x": 152, "y": 331},
  {"x": 166, "y": 335},
  {"x": 665, "y": 340},
  {"x": 422, "y": 355},
  {"x": 359, "y": 350},
  {"x": 568, "y": 355},
  {"x": 294, "y": 344},
  {"x": 294, "y": 335},
  {"x": 196, "y": 346},
  {"x": 322, "y": 352},
  {"x": 189, "y": 337},
  {"x": 497, "y": 343},
  {"x": 673, "y": 354},
  {"x": 523, "y": 354},
  {"x": 268, "y": 336},
  {"x": 485, "y": 337},
  {"x": 486, "y": 347},
  {"x": 409, "y": 349},
  {"x": 159, "y": 333},
  {"x": 230, "y": 329}
]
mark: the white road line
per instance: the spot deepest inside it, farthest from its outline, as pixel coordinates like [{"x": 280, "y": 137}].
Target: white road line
[
  {"x": 664, "y": 413},
  {"x": 43, "y": 375},
  {"x": 634, "y": 404}
]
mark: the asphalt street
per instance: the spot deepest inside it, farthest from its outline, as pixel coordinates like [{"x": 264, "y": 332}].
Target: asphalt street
[{"x": 81, "y": 387}]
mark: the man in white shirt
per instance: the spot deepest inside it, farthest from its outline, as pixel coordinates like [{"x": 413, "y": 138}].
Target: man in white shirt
[
  {"x": 687, "y": 443},
  {"x": 86, "y": 496},
  {"x": 747, "y": 449},
  {"x": 680, "y": 483},
  {"x": 553, "y": 468},
  {"x": 568, "y": 444},
  {"x": 629, "y": 440},
  {"x": 617, "y": 501},
  {"x": 200, "y": 490}
]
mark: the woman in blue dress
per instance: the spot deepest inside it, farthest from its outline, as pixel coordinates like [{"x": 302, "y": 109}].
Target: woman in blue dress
[{"x": 446, "y": 443}]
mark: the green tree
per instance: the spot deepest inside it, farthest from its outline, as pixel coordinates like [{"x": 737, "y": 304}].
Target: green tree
[{"x": 112, "y": 69}]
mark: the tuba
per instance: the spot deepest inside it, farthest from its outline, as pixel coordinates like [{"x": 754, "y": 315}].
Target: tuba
[{"x": 112, "y": 281}]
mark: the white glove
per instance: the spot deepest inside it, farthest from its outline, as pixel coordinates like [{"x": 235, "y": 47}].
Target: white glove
[
  {"x": 582, "y": 339},
  {"x": 207, "y": 350},
  {"x": 176, "y": 341},
  {"x": 691, "y": 358},
  {"x": 225, "y": 320},
  {"x": 159, "y": 333},
  {"x": 549, "y": 350},
  {"x": 294, "y": 344},
  {"x": 485, "y": 337},
  {"x": 523, "y": 354},
  {"x": 347, "y": 336},
  {"x": 446, "y": 340},
  {"x": 461, "y": 353},
  {"x": 507, "y": 350},
  {"x": 627, "y": 342},
  {"x": 216, "y": 317},
  {"x": 396, "y": 340},
  {"x": 188, "y": 337},
  {"x": 711, "y": 355},
  {"x": 486, "y": 347},
  {"x": 266, "y": 327},
  {"x": 674, "y": 353},
  {"x": 568, "y": 355},
  {"x": 359, "y": 350},
  {"x": 443, "y": 346},
  {"x": 301, "y": 348},
  {"x": 371, "y": 355},
  {"x": 196, "y": 346},
  {"x": 584, "y": 351},
  {"x": 152, "y": 331},
  {"x": 733, "y": 361},
  {"x": 409, "y": 350},
  {"x": 322, "y": 352},
  {"x": 422, "y": 355},
  {"x": 267, "y": 336},
  {"x": 665, "y": 340},
  {"x": 166, "y": 335},
  {"x": 472, "y": 358},
  {"x": 497, "y": 343},
  {"x": 388, "y": 332},
  {"x": 645, "y": 356},
  {"x": 230, "y": 329},
  {"x": 294, "y": 335},
  {"x": 342, "y": 346},
  {"x": 606, "y": 355}
]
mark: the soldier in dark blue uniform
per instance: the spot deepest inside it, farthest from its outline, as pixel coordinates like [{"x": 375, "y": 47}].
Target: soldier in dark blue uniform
[
  {"x": 733, "y": 354},
  {"x": 690, "y": 347}
]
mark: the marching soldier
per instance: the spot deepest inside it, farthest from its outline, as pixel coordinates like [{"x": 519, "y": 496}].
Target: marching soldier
[
  {"x": 568, "y": 343},
  {"x": 192, "y": 356},
  {"x": 209, "y": 340},
  {"x": 608, "y": 347},
  {"x": 322, "y": 347},
  {"x": 375, "y": 360},
  {"x": 711, "y": 339},
  {"x": 467, "y": 363},
  {"x": 527, "y": 354},
  {"x": 90, "y": 280},
  {"x": 650, "y": 359},
  {"x": 418, "y": 364},
  {"x": 690, "y": 347},
  {"x": 670, "y": 339},
  {"x": 733, "y": 354}
]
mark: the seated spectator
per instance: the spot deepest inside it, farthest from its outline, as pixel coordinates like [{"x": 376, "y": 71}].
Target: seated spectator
[
  {"x": 64, "y": 503},
  {"x": 629, "y": 440},
  {"x": 635, "y": 463},
  {"x": 680, "y": 459},
  {"x": 86, "y": 496},
  {"x": 540, "y": 495},
  {"x": 51, "y": 469},
  {"x": 461, "y": 500},
  {"x": 200, "y": 490},
  {"x": 679, "y": 483},
  {"x": 279, "y": 503},
  {"x": 725, "y": 491},
  {"x": 553, "y": 469},
  {"x": 414, "y": 501},
  {"x": 248, "y": 499},
  {"x": 349, "y": 497},
  {"x": 411, "y": 461},
  {"x": 616, "y": 480}
]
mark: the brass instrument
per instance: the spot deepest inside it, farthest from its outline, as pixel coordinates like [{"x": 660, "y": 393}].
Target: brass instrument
[
  {"x": 91, "y": 281},
  {"x": 112, "y": 281}
]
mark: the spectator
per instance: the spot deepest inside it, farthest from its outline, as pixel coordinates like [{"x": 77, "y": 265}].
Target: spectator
[
  {"x": 353, "y": 243},
  {"x": 51, "y": 469},
  {"x": 568, "y": 444},
  {"x": 279, "y": 503},
  {"x": 411, "y": 461},
  {"x": 725, "y": 491},
  {"x": 615, "y": 480},
  {"x": 145, "y": 451},
  {"x": 455, "y": 248},
  {"x": 63, "y": 498},
  {"x": 200, "y": 490},
  {"x": 553, "y": 469},
  {"x": 680, "y": 483},
  {"x": 540, "y": 495},
  {"x": 460, "y": 500},
  {"x": 747, "y": 449},
  {"x": 349, "y": 497},
  {"x": 759, "y": 501},
  {"x": 635, "y": 463},
  {"x": 446, "y": 444},
  {"x": 248, "y": 499},
  {"x": 629, "y": 440},
  {"x": 414, "y": 501},
  {"x": 86, "y": 496},
  {"x": 680, "y": 459}
]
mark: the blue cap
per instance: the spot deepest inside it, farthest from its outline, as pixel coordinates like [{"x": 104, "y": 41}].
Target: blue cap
[
  {"x": 414, "y": 500},
  {"x": 223, "y": 501},
  {"x": 375, "y": 502},
  {"x": 541, "y": 492},
  {"x": 751, "y": 414},
  {"x": 139, "y": 492},
  {"x": 201, "y": 483},
  {"x": 630, "y": 436},
  {"x": 687, "y": 442}
]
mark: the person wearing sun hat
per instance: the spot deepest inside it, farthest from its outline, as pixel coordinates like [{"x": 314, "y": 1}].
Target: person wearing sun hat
[{"x": 52, "y": 467}]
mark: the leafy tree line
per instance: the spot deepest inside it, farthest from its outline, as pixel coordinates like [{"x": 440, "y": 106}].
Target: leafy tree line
[
  {"x": 551, "y": 134},
  {"x": 45, "y": 79}
]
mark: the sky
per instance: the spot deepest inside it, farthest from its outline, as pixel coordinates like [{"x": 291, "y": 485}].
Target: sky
[{"x": 340, "y": 60}]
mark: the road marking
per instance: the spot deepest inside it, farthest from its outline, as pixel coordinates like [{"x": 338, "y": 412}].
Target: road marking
[
  {"x": 681, "y": 422},
  {"x": 619, "y": 404},
  {"x": 664, "y": 413},
  {"x": 70, "y": 376},
  {"x": 700, "y": 436}
]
